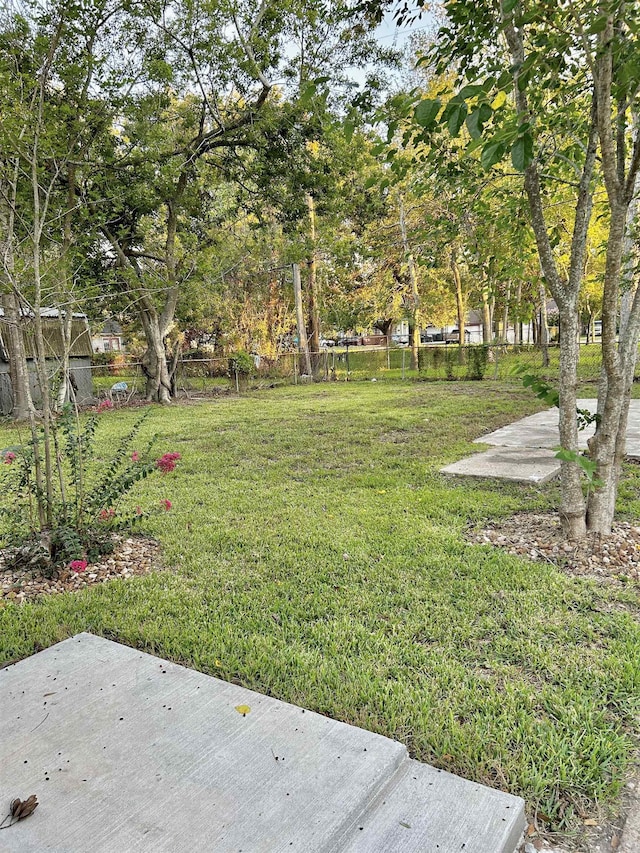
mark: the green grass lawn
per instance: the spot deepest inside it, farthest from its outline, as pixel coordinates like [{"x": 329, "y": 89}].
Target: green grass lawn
[{"x": 318, "y": 556}]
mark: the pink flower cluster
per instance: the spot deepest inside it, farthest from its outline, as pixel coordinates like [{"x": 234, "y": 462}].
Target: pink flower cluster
[
  {"x": 106, "y": 514},
  {"x": 166, "y": 504},
  {"x": 78, "y": 565},
  {"x": 9, "y": 457},
  {"x": 167, "y": 463},
  {"x": 135, "y": 456},
  {"x": 104, "y": 405}
]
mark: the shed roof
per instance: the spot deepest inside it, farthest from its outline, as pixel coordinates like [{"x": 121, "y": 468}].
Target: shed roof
[{"x": 52, "y": 333}]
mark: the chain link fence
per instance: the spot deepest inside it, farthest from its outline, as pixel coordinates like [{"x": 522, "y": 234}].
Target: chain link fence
[{"x": 206, "y": 376}]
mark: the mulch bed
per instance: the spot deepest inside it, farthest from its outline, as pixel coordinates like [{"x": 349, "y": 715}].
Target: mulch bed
[
  {"x": 539, "y": 537},
  {"x": 134, "y": 555}
]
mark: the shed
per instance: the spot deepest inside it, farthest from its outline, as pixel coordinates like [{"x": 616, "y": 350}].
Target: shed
[{"x": 80, "y": 357}]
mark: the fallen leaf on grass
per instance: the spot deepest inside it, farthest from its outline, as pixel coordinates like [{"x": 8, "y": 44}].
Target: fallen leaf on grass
[{"x": 591, "y": 822}]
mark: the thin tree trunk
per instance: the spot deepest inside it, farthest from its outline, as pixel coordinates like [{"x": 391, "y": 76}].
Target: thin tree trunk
[
  {"x": 312, "y": 295},
  {"x": 303, "y": 345},
  {"x": 517, "y": 323},
  {"x": 414, "y": 298},
  {"x": 65, "y": 316},
  {"x": 505, "y": 315},
  {"x": 18, "y": 368},
  {"x": 13, "y": 319},
  {"x": 543, "y": 328},
  {"x": 486, "y": 317},
  {"x": 573, "y": 506},
  {"x": 460, "y": 301}
]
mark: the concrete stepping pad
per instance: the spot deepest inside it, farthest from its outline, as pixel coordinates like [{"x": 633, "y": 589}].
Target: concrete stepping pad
[
  {"x": 127, "y": 752},
  {"x": 520, "y": 464},
  {"x": 541, "y": 430}
]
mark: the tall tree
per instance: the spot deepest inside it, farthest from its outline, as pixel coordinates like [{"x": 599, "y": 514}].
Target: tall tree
[{"x": 556, "y": 88}]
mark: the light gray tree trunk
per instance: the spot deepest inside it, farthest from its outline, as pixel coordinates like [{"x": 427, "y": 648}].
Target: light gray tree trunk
[{"x": 19, "y": 372}]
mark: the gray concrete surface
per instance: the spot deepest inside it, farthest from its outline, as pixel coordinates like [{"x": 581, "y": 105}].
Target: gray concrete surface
[
  {"x": 541, "y": 430},
  {"x": 127, "y": 752},
  {"x": 631, "y": 831},
  {"x": 520, "y": 464}
]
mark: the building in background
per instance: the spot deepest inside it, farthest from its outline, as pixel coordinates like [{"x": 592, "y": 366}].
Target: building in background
[
  {"x": 79, "y": 358},
  {"x": 110, "y": 339}
]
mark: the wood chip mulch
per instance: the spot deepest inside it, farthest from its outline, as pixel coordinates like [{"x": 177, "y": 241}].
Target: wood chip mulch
[
  {"x": 135, "y": 555},
  {"x": 539, "y": 537}
]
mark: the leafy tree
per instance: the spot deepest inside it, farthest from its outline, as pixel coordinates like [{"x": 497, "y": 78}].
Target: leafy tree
[{"x": 555, "y": 88}]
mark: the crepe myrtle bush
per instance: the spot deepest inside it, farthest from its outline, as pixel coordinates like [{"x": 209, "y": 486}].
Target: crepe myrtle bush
[{"x": 85, "y": 507}]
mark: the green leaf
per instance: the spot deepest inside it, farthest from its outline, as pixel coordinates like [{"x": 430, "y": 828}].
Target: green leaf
[
  {"x": 307, "y": 93},
  {"x": 456, "y": 118},
  {"x": 349, "y": 127},
  {"x": 599, "y": 25},
  {"x": 426, "y": 112},
  {"x": 492, "y": 153},
  {"x": 522, "y": 152},
  {"x": 509, "y": 5},
  {"x": 477, "y": 119},
  {"x": 470, "y": 91}
]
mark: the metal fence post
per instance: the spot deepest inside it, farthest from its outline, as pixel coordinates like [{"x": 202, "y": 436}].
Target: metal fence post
[{"x": 403, "y": 356}]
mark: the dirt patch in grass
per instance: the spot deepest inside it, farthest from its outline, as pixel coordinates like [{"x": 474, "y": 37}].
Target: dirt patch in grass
[
  {"x": 539, "y": 536},
  {"x": 135, "y": 555}
]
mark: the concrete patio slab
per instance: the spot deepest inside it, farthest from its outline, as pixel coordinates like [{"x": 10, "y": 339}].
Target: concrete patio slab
[
  {"x": 127, "y": 752},
  {"x": 541, "y": 430},
  {"x": 519, "y": 464}
]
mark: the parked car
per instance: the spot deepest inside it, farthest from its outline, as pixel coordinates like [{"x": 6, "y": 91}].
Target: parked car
[{"x": 327, "y": 342}]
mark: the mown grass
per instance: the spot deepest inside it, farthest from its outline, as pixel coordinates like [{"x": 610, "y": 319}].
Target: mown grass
[{"x": 318, "y": 556}]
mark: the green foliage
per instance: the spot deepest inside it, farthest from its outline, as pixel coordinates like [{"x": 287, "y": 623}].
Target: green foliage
[
  {"x": 242, "y": 364},
  {"x": 450, "y": 360},
  {"x": 587, "y": 465},
  {"x": 477, "y": 361},
  {"x": 540, "y": 386}
]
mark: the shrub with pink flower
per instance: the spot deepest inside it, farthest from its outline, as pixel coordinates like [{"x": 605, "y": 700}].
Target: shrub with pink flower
[
  {"x": 90, "y": 504},
  {"x": 167, "y": 463}
]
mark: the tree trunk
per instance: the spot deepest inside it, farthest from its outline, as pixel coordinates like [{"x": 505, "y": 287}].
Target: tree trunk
[
  {"x": 18, "y": 369},
  {"x": 303, "y": 345},
  {"x": 543, "y": 328},
  {"x": 460, "y": 302},
  {"x": 486, "y": 317},
  {"x": 608, "y": 444},
  {"x": 572, "y": 510},
  {"x": 505, "y": 316},
  {"x": 13, "y": 319},
  {"x": 65, "y": 317},
  {"x": 517, "y": 323},
  {"x": 414, "y": 299},
  {"x": 154, "y": 360},
  {"x": 312, "y": 296}
]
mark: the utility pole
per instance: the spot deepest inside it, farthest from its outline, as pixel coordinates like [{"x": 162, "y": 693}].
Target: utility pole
[{"x": 303, "y": 345}]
